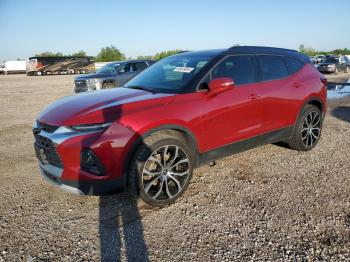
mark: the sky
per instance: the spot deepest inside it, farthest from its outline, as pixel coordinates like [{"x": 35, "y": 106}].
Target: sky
[{"x": 146, "y": 27}]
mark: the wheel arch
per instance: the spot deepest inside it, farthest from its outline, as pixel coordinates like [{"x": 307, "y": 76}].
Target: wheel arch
[
  {"x": 174, "y": 129},
  {"x": 316, "y": 102}
]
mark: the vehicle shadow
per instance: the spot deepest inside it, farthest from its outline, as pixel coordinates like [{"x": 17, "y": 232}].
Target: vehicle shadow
[
  {"x": 120, "y": 225},
  {"x": 342, "y": 113},
  {"x": 120, "y": 228}
]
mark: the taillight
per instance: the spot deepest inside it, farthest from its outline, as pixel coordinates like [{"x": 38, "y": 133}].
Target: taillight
[{"x": 324, "y": 81}]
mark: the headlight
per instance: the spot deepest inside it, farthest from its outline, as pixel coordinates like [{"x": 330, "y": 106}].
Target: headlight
[
  {"x": 93, "y": 84},
  {"x": 90, "y": 127},
  {"x": 331, "y": 66}
]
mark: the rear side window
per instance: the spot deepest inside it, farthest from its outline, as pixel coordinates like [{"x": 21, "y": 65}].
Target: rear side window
[
  {"x": 293, "y": 64},
  {"x": 272, "y": 67},
  {"x": 240, "y": 68}
]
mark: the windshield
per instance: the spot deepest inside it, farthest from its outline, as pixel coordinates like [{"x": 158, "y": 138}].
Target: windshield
[
  {"x": 331, "y": 60},
  {"x": 171, "y": 74},
  {"x": 107, "y": 69}
]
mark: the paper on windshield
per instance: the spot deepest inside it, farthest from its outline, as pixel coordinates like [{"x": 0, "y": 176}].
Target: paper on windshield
[{"x": 183, "y": 69}]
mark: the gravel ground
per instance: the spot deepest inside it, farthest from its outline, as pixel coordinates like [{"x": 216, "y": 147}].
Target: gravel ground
[{"x": 266, "y": 204}]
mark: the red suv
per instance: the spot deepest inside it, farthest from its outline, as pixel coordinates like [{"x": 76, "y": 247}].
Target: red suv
[{"x": 183, "y": 111}]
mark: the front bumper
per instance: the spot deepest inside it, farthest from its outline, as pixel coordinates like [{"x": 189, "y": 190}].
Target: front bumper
[
  {"x": 110, "y": 146},
  {"x": 84, "y": 86},
  {"x": 96, "y": 188}
]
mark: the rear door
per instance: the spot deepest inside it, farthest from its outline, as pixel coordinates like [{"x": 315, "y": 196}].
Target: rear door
[{"x": 282, "y": 90}]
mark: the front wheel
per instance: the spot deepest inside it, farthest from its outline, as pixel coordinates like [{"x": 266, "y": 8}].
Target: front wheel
[
  {"x": 161, "y": 170},
  {"x": 307, "y": 130},
  {"x": 108, "y": 85}
]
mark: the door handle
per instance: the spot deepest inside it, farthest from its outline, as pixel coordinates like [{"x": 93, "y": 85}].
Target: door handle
[
  {"x": 296, "y": 85},
  {"x": 253, "y": 96}
]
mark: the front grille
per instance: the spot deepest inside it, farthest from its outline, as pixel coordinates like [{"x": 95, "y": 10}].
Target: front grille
[
  {"x": 47, "y": 128},
  {"x": 46, "y": 149},
  {"x": 80, "y": 86}
]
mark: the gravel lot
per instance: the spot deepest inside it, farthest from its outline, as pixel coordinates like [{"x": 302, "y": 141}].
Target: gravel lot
[{"x": 267, "y": 204}]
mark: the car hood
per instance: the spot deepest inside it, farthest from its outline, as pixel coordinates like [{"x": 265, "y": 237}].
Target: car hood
[
  {"x": 95, "y": 75},
  {"x": 100, "y": 106}
]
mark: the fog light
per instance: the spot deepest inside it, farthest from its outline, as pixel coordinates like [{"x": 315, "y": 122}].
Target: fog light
[{"x": 90, "y": 163}]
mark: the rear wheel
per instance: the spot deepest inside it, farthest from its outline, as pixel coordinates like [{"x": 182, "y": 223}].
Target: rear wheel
[
  {"x": 161, "y": 170},
  {"x": 307, "y": 130}
]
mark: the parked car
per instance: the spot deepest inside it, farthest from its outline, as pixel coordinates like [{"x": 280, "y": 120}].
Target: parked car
[
  {"x": 186, "y": 110},
  {"x": 334, "y": 64},
  {"x": 319, "y": 59},
  {"x": 110, "y": 75}
]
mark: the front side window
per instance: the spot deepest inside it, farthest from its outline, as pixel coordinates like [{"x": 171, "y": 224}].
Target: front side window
[
  {"x": 126, "y": 68},
  {"x": 140, "y": 66},
  {"x": 272, "y": 67},
  {"x": 241, "y": 68},
  {"x": 171, "y": 74}
]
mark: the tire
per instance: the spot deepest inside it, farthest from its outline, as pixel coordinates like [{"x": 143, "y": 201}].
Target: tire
[
  {"x": 167, "y": 184},
  {"x": 307, "y": 130},
  {"x": 108, "y": 85},
  {"x": 347, "y": 69}
]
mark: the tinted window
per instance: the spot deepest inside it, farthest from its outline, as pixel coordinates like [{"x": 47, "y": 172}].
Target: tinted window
[
  {"x": 240, "y": 68},
  {"x": 331, "y": 60},
  {"x": 125, "y": 68},
  {"x": 140, "y": 66},
  {"x": 205, "y": 83},
  {"x": 272, "y": 67},
  {"x": 171, "y": 74},
  {"x": 293, "y": 64}
]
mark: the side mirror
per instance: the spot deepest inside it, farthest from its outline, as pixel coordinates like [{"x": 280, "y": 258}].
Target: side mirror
[{"x": 220, "y": 85}]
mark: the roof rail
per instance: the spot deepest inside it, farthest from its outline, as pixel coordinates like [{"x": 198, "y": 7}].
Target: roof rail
[{"x": 260, "y": 48}]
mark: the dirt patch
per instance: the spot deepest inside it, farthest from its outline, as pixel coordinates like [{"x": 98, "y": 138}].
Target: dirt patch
[{"x": 269, "y": 203}]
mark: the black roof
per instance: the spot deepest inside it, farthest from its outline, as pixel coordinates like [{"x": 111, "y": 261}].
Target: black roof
[
  {"x": 59, "y": 57},
  {"x": 267, "y": 51},
  {"x": 253, "y": 50}
]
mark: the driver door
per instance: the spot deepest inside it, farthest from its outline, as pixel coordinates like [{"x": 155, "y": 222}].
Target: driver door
[
  {"x": 124, "y": 73},
  {"x": 236, "y": 114}
]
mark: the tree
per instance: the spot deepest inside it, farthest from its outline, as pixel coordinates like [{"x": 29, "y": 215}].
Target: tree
[
  {"x": 49, "y": 54},
  {"x": 145, "y": 57},
  {"x": 80, "y": 53},
  {"x": 307, "y": 50},
  {"x": 109, "y": 53},
  {"x": 163, "y": 54}
]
